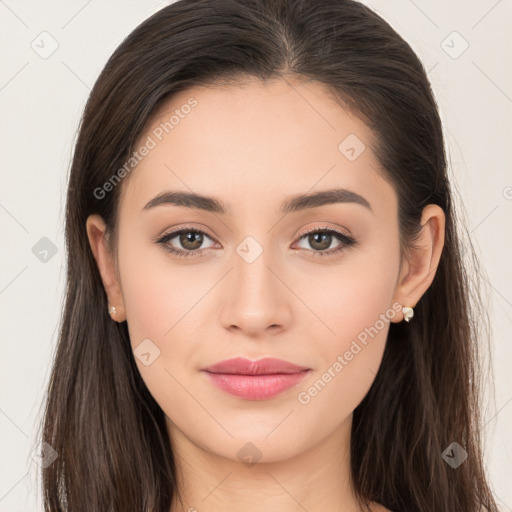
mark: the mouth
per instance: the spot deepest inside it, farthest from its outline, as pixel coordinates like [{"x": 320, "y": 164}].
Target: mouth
[{"x": 255, "y": 380}]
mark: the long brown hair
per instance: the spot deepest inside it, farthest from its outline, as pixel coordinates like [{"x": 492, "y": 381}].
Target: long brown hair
[{"x": 109, "y": 433}]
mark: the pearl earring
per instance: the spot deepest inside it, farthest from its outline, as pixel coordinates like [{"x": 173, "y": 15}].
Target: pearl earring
[
  {"x": 408, "y": 313},
  {"x": 112, "y": 311}
]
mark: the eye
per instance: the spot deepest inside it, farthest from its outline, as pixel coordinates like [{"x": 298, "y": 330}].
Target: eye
[
  {"x": 321, "y": 239},
  {"x": 190, "y": 239}
]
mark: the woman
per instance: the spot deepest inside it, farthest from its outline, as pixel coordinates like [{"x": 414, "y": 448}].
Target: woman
[{"x": 266, "y": 306}]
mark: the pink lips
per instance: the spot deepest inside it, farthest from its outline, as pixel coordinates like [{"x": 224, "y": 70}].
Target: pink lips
[{"x": 255, "y": 380}]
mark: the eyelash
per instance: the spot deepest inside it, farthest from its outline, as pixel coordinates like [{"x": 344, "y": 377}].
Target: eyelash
[{"x": 346, "y": 241}]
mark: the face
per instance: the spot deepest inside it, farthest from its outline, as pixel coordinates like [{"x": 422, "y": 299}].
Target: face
[{"x": 311, "y": 285}]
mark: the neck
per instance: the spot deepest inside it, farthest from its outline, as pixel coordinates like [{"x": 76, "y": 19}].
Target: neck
[{"x": 317, "y": 479}]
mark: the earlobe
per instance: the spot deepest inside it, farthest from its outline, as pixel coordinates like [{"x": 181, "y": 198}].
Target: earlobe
[
  {"x": 419, "y": 270},
  {"x": 105, "y": 260}
]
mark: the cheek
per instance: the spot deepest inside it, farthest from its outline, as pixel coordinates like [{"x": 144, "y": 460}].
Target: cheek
[
  {"x": 162, "y": 304},
  {"x": 350, "y": 297},
  {"x": 157, "y": 294},
  {"x": 355, "y": 306},
  {"x": 165, "y": 303}
]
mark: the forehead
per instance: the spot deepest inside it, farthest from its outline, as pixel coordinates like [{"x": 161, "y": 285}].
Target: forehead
[{"x": 254, "y": 139}]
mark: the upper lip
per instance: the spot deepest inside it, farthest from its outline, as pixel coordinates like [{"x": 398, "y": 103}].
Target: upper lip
[{"x": 265, "y": 366}]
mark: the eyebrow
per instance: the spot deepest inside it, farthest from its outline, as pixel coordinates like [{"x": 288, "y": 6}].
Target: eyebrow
[{"x": 293, "y": 204}]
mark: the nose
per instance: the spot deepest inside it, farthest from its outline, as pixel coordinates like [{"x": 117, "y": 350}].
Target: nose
[{"x": 258, "y": 300}]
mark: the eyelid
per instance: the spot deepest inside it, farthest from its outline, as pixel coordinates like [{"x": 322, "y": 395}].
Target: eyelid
[
  {"x": 324, "y": 227},
  {"x": 179, "y": 229}
]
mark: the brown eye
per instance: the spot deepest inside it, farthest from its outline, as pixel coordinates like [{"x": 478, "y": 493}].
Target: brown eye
[
  {"x": 185, "y": 242},
  {"x": 191, "y": 240},
  {"x": 320, "y": 240}
]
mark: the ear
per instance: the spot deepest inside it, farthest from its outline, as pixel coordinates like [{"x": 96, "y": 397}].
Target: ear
[
  {"x": 420, "y": 266},
  {"x": 106, "y": 265}
]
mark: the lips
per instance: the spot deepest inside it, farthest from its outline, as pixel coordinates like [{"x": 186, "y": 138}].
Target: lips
[
  {"x": 255, "y": 380},
  {"x": 265, "y": 366}
]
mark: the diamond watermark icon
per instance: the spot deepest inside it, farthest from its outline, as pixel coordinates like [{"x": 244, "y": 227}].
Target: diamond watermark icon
[
  {"x": 45, "y": 45},
  {"x": 351, "y": 147},
  {"x": 454, "y": 45},
  {"x": 44, "y": 250},
  {"x": 46, "y": 456},
  {"x": 146, "y": 352},
  {"x": 249, "y": 454},
  {"x": 454, "y": 455},
  {"x": 249, "y": 249}
]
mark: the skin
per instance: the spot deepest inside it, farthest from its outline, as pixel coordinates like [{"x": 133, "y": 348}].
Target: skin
[{"x": 253, "y": 146}]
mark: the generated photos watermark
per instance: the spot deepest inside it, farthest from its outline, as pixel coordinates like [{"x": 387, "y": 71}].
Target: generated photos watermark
[
  {"x": 342, "y": 360},
  {"x": 151, "y": 142}
]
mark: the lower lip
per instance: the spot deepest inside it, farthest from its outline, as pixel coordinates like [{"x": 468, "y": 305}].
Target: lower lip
[{"x": 256, "y": 387}]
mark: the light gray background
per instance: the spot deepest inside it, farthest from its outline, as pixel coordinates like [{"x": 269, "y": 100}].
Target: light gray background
[{"x": 41, "y": 100}]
